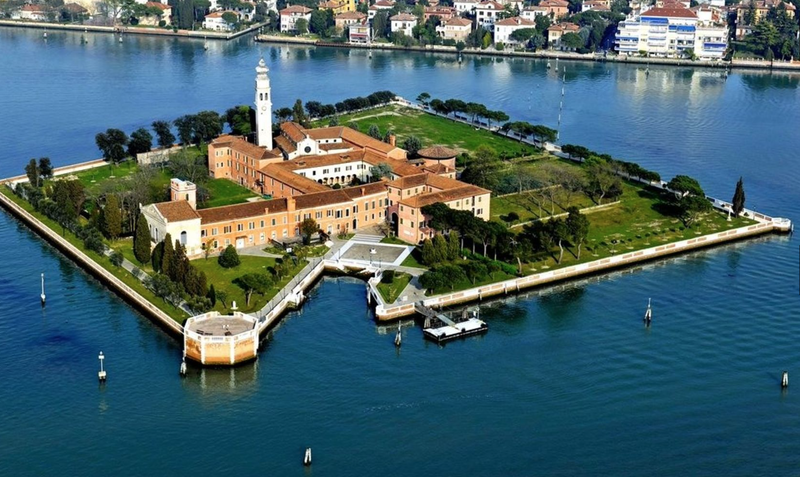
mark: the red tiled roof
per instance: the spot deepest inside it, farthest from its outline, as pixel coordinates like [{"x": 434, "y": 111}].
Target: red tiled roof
[
  {"x": 457, "y": 21},
  {"x": 490, "y": 4},
  {"x": 158, "y": 5},
  {"x": 177, "y": 211},
  {"x": 402, "y": 17},
  {"x": 282, "y": 172},
  {"x": 293, "y": 130},
  {"x": 671, "y": 12},
  {"x": 464, "y": 192},
  {"x": 438, "y": 168},
  {"x": 242, "y": 211},
  {"x": 285, "y": 144},
  {"x": 247, "y": 148},
  {"x": 295, "y": 9},
  {"x": 439, "y": 152},
  {"x": 567, "y": 27},
  {"x": 515, "y": 21},
  {"x": 350, "y": 16}
]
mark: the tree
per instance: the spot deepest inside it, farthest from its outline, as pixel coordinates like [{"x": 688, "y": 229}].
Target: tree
[
  {"x": 298, "y": 113},
  {"x": 431, "y": 280},
  {"x": 33, "y": 173},
  {"x": 423, "y": 99},
  {"x": 308, "y": 227},
  {"x": 231, "y": 18},
  {"x": 45, "y": 168},
  {"x": 375, "y": 132},
  {"x": 240, "y": 120},
  {"x": 578, "y": 228},
  {"x": 380, "y": 171},
  {"x": 141, "y": 240},
  {"x": 301, "y": 25},
  {"x": 691, "y": 206},
  {"x": 380, "y": 24},
  {"x": 168, "y": 257},
  {"x": 601, "y": 180},
  {"x": 412, "y": 144},
  {"x": 440, "y": 248},
  {"x": 157, "y": 257},
  {"x": 212, "y": 295},
  {"x": 185, "y": 125},
  {"x": 573, "y": 41},
  {"x": 229, "y": 258},
  {"x": 738, "y": 198},
  {"x": 428, "y": 252},
  {"x": 319, "y": 22},
  {"x": 453, "y": 247},
  {"x": 475, "y": 270},
  {"x": 685, "y": 185},
  {"x": 253, "y": 283},
  {"x": 207, "y": 126},
  {"x": 112, "y": 144},
  {"x": 112, "y": 217},
  {"x": 483, "y": 168},
  {"x": 452, "y": 274},
  {"x": 141, "y": 141},
  {"x": 164, "y": 134},
  {"x": 282, "y": 114}
]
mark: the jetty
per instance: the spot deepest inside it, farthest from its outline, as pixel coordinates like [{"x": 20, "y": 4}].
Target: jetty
[{"x": 439, "y": 327}]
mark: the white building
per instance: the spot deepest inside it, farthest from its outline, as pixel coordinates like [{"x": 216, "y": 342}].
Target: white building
[
  {"x": 456, "y": 29},
  {"x": 671, "y": 32},
  {"x": 487, "y": 12},
  {"x": 36, "y": 13},
  {"x": 263, "y": 104},
  {"x": 378, "y": 6},
  {"x": 531, "y": 12},
  {"x": 178, "y": 217},
  {"x": 360, "y": 32},
  {"x": 214, "y": 21},
  {"x": 291, "y": 14},
  {"x": 465, "y": 6},
  {"x": 505, "y": 27},
  {"x": 403, "y": 22}
]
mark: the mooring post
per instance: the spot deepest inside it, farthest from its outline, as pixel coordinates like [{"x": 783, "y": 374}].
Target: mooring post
[
  {"x": 785, "y": 380},
  {"x": 102, "y": 374}
]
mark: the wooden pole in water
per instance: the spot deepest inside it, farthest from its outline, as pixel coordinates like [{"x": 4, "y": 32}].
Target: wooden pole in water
[
  {"x": 307, "y": 457},
  {"x": 785, "y": 380},
  {"x": 42, "y": 296},
  {"x": 102, "y": 374}
]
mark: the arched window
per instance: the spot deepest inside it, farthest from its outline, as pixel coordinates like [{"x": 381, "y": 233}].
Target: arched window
[{"x": 183, "y": 238}]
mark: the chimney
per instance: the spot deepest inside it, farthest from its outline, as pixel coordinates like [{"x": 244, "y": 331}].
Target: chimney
[
  {"x": 363, "y": 191},
  {"x": 290, "y": 204},
  {"x": 392, "y": 140}
]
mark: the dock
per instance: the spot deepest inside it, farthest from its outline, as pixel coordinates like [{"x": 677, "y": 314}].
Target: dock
[{"x": 439, "y": 327}]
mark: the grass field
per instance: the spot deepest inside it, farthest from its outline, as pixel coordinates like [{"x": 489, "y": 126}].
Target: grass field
[
  {"x": 432, "y": 130},
  {"x": 391, "y": 291},
  {"x": 223, "y": 278},
  {"x": 226, "y": 192}
]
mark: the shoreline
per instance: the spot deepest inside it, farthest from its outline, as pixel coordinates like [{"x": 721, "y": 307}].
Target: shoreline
[
  {"x": 546, "y": 55},
  {"x": 130, "y": 30}
]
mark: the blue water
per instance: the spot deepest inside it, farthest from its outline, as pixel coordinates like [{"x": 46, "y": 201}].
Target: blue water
[{"x": 566, "y": 382}]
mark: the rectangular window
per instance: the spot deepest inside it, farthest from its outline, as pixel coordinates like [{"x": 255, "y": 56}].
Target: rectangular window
[
  {"x": 261, "y": 237},
  {"x": 262, "y": 224},
  {"x": 273, "y": 222},
  {"x": 318, "y": 215},
  {"x": 250, "y": 238},
  {"x": 214, "y": 231},
  {"x": 330, "y": 212},
  {"x": 412, "y": 225},
  {"x": 251, "y": 225},
  {"x": 227, "y": 242},
  {"x": 239, "y": 227},
  {"x": 203, "y": 233},
  {"x": 306, "y": 216},
  {"x": 227, "y": 229}
]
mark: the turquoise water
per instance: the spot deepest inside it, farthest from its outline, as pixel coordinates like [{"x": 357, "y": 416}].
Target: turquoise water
[{"x": 567, "y": 381}]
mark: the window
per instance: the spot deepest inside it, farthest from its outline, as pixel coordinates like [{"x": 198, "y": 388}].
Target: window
[
  {"x": 330, "y": 212},
  {"x": 214, "y": 231},
  {"x": 239, "y": 227},
  {"x": 318, "y": 215},
  {"x": 261, "y": 237},
  {"x": 285, "y": 233},
  {"x": 251, "y": 225},
  {"x": 250, "y": 238},
  {"x": 412, "y": 224},
  {"x": 226, "y": 229},
  {"x": 203, "y": 233},
  {"x": 401, "y": 221},
  {"x": 306, "y": 216},
  {"x": 227, "y": 242},
  {"x": 262, "y": 224}
]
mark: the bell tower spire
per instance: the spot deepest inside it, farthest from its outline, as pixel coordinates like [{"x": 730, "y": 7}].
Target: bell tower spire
[{"x": 263, "y": 106}]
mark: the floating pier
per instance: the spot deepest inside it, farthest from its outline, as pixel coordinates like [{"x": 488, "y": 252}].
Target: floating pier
[{"x": 439, "y": 327}]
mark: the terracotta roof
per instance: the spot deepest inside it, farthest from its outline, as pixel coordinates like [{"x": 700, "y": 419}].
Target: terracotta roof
[
  {"x": 285, "y": 144},
  {"x": 247, "y": 148},
  {"x": 464, "y": 192},
  {"x": 219, "y": 14},
  {"x": 490, "y": 4},
  {"x": 438, "y": 168},
  {"x": 242, "y": 211},
  {"x": 383, "y": 3},
  {"x": 75, "y": 8},
  {"x": 293, "y": 130},
  {"x": 34, "y": 8},
  {"x": 362, "y": 140},
  {"x": 567, "y": 27},
  {"x": 295, "y": 9},
  {"x": 333, "y": 132},
  {"x": 408, "y": 182},
  {"x": 283, "y": 173},
  {"x": 350, "y": 16},
  {"x": 307, "y": 162},
  {"x": 457, "y": 21},
  {"x": 515, "y": 21},
  {"x": 157, "y": 5},
  {"x": 671, "y": 12},
  {"x": 177, "y": 211},
  {"x": 437, "y": 152},
  {"x": 426, "y": 179},
  {"x": 403, "y": 17},
  {"x": 367, "y": 189},
  {"x": 554, "y": 3},
  {"x": 334, "y": 146},
  {"x": 320, "y": 199}
]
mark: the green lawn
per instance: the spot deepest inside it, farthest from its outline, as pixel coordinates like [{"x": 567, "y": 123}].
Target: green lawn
[
  {"x": 222, "y": 279},
  {"x": 413, "y": 261},
  {"x": 391, "y": 291},
  {"x": 226, "y": 192},
  {"x": 432, "y": 130},
  {"x": 175, "y": 313},
  {"x": 393, "y": 241}
]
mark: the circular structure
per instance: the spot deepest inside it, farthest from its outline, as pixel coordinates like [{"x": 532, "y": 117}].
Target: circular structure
[
  {"x": 438, "y": 156},
  {"x": 215, "y": 339},
  {"x": 439, "y": 153}
]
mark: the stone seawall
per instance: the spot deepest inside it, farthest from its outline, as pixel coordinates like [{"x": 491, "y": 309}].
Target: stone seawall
[
  {"x": 386, "y": 313},
  {"x": 209, "y": 35},
  {"x": 108, "y": 279}
]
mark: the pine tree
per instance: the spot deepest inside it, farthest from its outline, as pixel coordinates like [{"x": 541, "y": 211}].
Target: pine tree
[
  {"x": 112, "y": 217},
  {"x": 453, "y": 247},
  {"x": 428, "y": 253},
  {"x": 738, "y": 198},
  {"x": 440, "y": 246},
  {"x": 141, "y": 240},
  {"x": 168, "y": 256}
]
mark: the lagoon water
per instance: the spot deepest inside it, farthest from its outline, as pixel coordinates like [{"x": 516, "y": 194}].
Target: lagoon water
[{"x": 566, "y": 382}]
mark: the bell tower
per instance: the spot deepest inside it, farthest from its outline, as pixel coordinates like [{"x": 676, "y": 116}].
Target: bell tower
[{"x": 263, "y": 106}]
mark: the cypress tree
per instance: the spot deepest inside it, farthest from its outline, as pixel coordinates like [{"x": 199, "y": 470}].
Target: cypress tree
[
  {"x": 168, "y": 257},
  {"x": 202, "y": 283},
  {"x": 141, "y": 240},
  {"x": 440, "y": 246},
  {"x": 157, "y": 257},
  {"x": 428, "y": 253},
  {"x": 180, "y": 264},
  {"x": 453, "y": 248},
  {"x": 212, "y": 294},
  {"x": 112, "y": 217},
  {"x": 738, "y": 198}
]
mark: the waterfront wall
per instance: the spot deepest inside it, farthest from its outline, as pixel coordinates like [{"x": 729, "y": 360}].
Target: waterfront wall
[
  {"x": 108, "y": 279},
  {"x": 767, "y": 225},
  {"x": 210, "y": 35}
]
